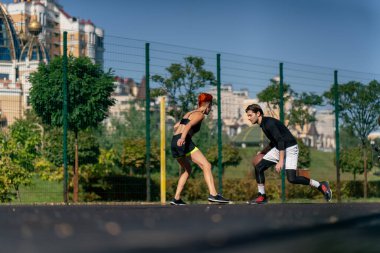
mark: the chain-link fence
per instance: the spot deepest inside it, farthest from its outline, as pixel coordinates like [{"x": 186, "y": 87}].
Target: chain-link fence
[{"x": 118, "y": 161}]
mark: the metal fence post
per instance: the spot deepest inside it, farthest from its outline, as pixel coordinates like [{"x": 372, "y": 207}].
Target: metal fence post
[
  {"x": 147, "y": 120},
  {"x": 64, "y": 88},
  {"x": 282, "y": 119},
  {"x": 337, "y": 143},
  {"x": 220, "y": 156}
]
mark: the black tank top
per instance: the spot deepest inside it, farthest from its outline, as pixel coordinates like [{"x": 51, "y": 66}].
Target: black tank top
[{"x": 194, "y": 128}]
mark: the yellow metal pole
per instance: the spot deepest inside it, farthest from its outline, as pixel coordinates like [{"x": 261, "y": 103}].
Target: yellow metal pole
[{"x": 163, "y": 157}]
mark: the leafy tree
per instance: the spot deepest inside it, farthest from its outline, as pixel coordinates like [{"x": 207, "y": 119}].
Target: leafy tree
[
  {"x": 304, "y": 155},
  {"x": 271, "y": 96},
  {"x": 95, "y": 175},
  {"x": 230, "y": 156},
  {"x": 359, "y": 107},
  {"x": 96, "y": 162},
  {"x": 134, "y": 156},
  {"x": 88, "y": 151},
  {"x": 300, "y": 114},
  {"x": 89, "y": 96},
  {"x": 348, "y": 138},
  {"x": 131, "y": 125},
  {"x": 351, "y": 160},
  {"x": 18, "y": 151},
  {"x": 183, "y": 83}
]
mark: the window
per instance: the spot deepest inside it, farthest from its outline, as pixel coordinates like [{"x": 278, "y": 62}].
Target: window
[{"x": 4, "y": 76}]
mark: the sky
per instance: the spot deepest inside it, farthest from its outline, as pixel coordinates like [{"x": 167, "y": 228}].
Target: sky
[
  {"x": 313, "y": 38},
  {"x": 342, "y": 34}
]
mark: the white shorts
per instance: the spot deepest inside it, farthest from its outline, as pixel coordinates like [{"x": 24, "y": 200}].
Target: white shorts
[{"x": 291, "y": 157}]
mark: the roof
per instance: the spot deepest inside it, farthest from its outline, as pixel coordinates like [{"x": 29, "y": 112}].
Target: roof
[
  {"x": 34, "y": 50},
  {"x": 11, "y": 50},
  {"x": 374, "y": 135},
  {"x": 312, "y": 130}
]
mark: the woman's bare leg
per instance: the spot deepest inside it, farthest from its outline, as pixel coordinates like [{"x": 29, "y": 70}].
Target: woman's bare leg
[
  {"x": 198, "y": 158},
  {"x": 186, "y": 166}
]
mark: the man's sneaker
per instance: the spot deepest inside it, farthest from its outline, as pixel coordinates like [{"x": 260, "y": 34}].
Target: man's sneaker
[
  {"x": 177, "y": 202},
  {"x": 326, "y": 191},
  {"x": 261, "y": 199},
  {"x": 218, "y": 199}
]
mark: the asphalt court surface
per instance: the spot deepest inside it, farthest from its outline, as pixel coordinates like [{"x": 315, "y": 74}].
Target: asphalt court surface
[{"x": 193, "y": 228}]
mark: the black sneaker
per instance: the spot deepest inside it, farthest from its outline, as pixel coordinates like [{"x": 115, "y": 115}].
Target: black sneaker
[
  {"x": 261, "y": 199},
  {"x": 326, "y": 191},
  {"x": 177, "y": 202},
  {"x": 218, "y": 199}
]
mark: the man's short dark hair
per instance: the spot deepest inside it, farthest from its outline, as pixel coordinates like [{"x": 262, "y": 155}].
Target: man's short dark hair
[{"x": 255, "y": 108}]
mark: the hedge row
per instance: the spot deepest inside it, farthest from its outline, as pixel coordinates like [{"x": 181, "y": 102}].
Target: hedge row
[
  {"x": 246, "y": 189},
  {"x": 126, "y": 188}
]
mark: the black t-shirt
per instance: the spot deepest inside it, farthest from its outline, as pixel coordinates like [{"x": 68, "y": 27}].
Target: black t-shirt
[{"x": 278, "y": 134}]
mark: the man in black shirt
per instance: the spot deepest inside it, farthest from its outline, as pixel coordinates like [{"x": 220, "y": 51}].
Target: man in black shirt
[{"x": 282, "y": 152}]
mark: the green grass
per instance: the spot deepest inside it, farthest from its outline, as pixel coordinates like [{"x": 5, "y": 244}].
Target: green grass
[
  {"x": 322, "y": 166},
  {"x": 245, "y": 167},
  {"x": 40, "y": 191}
]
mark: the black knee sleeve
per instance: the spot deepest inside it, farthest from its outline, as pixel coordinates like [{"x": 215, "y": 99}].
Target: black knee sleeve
[
  {"x": 294, "y": 179},
  {"x": 260, "y": 168}
]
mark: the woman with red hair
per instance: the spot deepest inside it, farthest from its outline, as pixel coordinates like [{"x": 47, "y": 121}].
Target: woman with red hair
[{"x": 184, "y": 150}]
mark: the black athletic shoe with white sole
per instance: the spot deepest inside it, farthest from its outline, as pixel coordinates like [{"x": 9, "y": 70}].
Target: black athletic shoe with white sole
[
  {"x": 177, "y": 202},
  {"x": 218, "y": 199}
]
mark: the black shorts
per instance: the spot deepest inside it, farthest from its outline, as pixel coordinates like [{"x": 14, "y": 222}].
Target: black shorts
[{"x": 184, "y": 150}]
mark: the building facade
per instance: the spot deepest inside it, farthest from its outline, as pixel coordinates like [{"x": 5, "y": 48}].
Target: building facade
[
  {"x": 232, "y": 110},
  {"x": 31, "y": 33},
  {"x": 83, "y": 39}
]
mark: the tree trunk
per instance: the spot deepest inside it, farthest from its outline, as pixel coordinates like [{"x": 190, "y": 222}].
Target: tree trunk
[
  {"x": 354, "y": 191},
  {"x": 76, "y": 171},
  {"x": 365, "y": 172}
]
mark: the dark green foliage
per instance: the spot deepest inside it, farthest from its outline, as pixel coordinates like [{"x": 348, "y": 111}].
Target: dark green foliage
[
  {"x": 89, "y": 93},
  {"x": 351, "y": 160},
  {"x": 348, "y": 138},
  {"x": 120, "y": 188},
  {"x": 230, "y": 155},
  {"x": 304, "y": 155},
  {"x": 88, "y": 150},
  {"x": 19, "y": 147},
  {"x": 359, "y": 106},
  {"x": 134, "y": 156}
]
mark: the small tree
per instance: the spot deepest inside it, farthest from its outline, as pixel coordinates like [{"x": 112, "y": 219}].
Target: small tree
[
  {"x": 230, "y": 156},
  {"x": 301, "y": 112},
  {"x": 304, "y": 155},
  {"x": 271, "y": 96},
  {"x": 50, "y": 164},
  {"x": 89, "y": 97},
  {"x": 18, "y": 151},
  {"x": 183, "y": 83},
  {"x": 359, "y": 107},
  {"x": 134, "y": 156},
  {"x": 351, "y": 160}
]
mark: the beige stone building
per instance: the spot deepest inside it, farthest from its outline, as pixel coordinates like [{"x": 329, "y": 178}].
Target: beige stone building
[
  {"x": 31, "y": 33},
  {"x": 320, "y": 134},
  {"x": 84, "y": 38}
]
